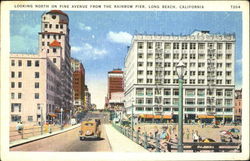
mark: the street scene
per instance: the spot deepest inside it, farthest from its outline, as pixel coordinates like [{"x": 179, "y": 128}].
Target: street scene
[{"x": 81, "y": 83}]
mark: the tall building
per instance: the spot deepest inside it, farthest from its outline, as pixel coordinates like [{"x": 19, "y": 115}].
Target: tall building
[
  {"x": 87, "y": 101},
  {"x": 115, "y": 96},
  {"x": 151, "y": 81},
  {"x": 41, "y": 84},
  {"x": 238, "y": 105},
  {"x": 78, "y": 83}
]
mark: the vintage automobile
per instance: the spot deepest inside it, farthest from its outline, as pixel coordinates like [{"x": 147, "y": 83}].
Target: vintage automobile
[{"x": 90, "y": 129}]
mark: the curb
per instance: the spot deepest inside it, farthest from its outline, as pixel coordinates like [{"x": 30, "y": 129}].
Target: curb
[{"x": 31, "y": 139}]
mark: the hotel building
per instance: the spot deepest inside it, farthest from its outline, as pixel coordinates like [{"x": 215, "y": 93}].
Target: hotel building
[
  {"x": 115, "y": 96},
  {"x": 41, "y": 84},
  {"x": 78, "y": 83},
  {"x": 151, "y": 81}
]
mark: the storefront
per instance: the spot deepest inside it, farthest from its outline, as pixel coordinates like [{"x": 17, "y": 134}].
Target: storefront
[
  {"x": 206, "y": 118},
  {"x": 147, "y": 118}
]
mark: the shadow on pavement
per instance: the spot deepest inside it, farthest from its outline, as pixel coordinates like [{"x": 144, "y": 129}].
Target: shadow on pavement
[{"x": 92, "y": 139}]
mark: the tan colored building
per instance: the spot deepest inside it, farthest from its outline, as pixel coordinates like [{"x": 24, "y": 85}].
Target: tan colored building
[
  {"x": 238, "y": 105},
  {"x": 41, "y": 84},
  {"x": 87, "y": 102}
]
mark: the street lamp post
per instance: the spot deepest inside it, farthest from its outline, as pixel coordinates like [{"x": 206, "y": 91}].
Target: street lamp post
[
  {"x": 180, "y": 68},
  {"x": 61, "y": 118}
]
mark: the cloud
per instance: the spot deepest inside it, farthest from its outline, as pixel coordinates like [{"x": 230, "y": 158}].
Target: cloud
[
  {"x": 28, "y": 30},
  {"x": 89, "y": 51},
  {"x": 119, "y": 37},
  {"x": 84, "y": 27}
]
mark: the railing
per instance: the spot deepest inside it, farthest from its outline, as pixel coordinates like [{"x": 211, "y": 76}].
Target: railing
[
  {"x": 155, "y": 144},
  {"x": 31, "y": 131}
]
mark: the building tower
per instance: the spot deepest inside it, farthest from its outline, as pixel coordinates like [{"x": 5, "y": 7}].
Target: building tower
[{"x": 54, "y": 43}]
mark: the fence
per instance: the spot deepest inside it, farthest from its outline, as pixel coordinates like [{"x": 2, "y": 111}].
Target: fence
[
  {"x": 31, "y": 131},
  {"x": 155, "y": 144}
]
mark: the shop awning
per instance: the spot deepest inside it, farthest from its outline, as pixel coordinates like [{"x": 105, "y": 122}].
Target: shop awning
[
  {"x": 157, "y": 116},
  {"x": 167, "y": 116},
  {"x": 206, "y": 117},
  {"x": 147, "y": 116},
  {"x": 52, "y": 115},
  {"x": 226, "y": 116}
]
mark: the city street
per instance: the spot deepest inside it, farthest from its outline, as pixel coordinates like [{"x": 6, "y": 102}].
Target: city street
[{"x": 69, "y": 141}]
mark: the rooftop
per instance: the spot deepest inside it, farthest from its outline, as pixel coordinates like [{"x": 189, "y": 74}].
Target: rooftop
[{"x": 57, "y": 12}]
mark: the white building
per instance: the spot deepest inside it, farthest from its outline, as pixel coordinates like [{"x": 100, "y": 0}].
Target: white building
[
  {"x": 151, "y": 82},
  {"x": 41, "y": 84}
]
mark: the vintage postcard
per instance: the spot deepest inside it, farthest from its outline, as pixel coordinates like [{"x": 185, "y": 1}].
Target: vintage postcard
[{"x": 124, "y": 80}]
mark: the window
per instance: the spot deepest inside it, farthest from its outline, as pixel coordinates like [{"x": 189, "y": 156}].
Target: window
[
  {"x": 192, "y": 45},
  {"x": 201, "y": 109},
  {"x": 184, "y": 46},
  {"x": 190, "y": 92},
  {"x": 150, "y": 72},
  {"x": 140, "y": 72},
  {"x": 149, "y": 55},
  {"x": 140, "y": 55},
  {"x": 228, "y": 81},
  {"x": 219, "y": 56},
  {"x": 219, "y": 65},
  {"x": 167, "y": 81},
  {"x": 218, "y": 110},
  {"x": 175, "y": 81},
  {"x": 19, "y": 96},
  {"x": 61, "y": 26},
  {"x": 175, "y": 101},
  {"x": 149, "y": 100},
  {"x": 158, "y": 91},
  {"x": 228, "y": 73},
  {"x": 192, "y": 73},
  {"x": 167, "y": 64},
  {"x": 50, "y": 26},
  {"x": 36, "y": 95},
  {"x": 54, "y": 50},
  {"x": 57, "y": 26},
  {"x": 192, "y": 56},
  {"x": 219, "y": 92},
  {"x": 16, "y": 107},
  {"x": 150, "y": 45},
  {"x": 43, "y": 43},
  {"x": 228, "y": 102},
  {"x": 201, "y": 73},
  {"x": 149, "y": 92},
  {"x": 54, "y": 60},
  {"x": 184, "y": 56},
  {"x": 12, "y": 74},
  {"x": 19, "y": 84},
  {"x": 228, "y": 46},
  {"x": 36, "y": 84},
  {"x": 158, "y": 45},
  {"x": 28, "y": 63},
  {"x": 228, "y": 65},
  {"x": 219, "y": 46},
  {"x": 48, "y": 43},
  {"x": 149, "y": 109},
  {"x": 167, "y": 72},
  {"x": 149, "y": 64},
  {"x": 36, "y": 74},
  {"x": 54, "y": 36},
  {"x": 167, "y": 92},
  {"x": 166, "y": 109},
  {"x": 228, "y": 93},
  {"x": 201, "y": 64},
  {"x": 12, "y": 62},
  {"x": 139, "y": 100},
  {"x": 201, "y": 46},
  {"x": 176, "y": 56},
  {"x": 19, "y": 63},
  {"x": 12, "y": 84},
  {"x": 201, "y": 56},
  {"x": 201, "y": 92},
  {"x": 201, "y": 81},
  {"x": 167, "y": 46},
  {"x": 12, "y": 95},
  {"x": 166, "y": 101},
  {"x": 176, "y": 45},
  {"x": 200, "y": 101},
  {"x": 30, "y": 118},
  {"x": 139, "y": 91},
  {"x": 139, "y": 80},
  {"x": 210, "y": 45},
  {"x": 45, "y": 25},
  {"x": 37, "y": 63},
  {"x": 48, "y": 36},
  {"x": 192, "y": 81},
  {"x": 228, "y": 56},
  {"x": 176, "y": 92},
  {"x": 219, "y": 73},
  {"x": 140, "y": 64},
  {"x": 149, "y": 80},
  {"x": 59, "y": 37},
  {"x": 15, "y": 118},
  {"x": 219, "y": 81},
  {"x": 140, "y": 45}
]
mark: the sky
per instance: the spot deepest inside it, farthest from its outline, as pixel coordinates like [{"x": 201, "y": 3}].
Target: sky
[{"x": 99, "y": 39}]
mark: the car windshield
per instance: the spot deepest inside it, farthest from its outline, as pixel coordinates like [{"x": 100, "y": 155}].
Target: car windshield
[{"x": 89, "y": 124}]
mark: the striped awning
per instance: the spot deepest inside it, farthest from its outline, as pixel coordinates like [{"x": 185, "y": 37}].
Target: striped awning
[
  {"x": 206, "y": 117},
  {"x": 52, "y": 115}
]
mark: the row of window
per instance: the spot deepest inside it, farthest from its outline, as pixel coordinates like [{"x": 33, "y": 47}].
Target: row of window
[
  {"x": 191, "y": 64},
  {"x": 51, "y": 25},
  {"x": 187, "y": 92},
  {"x": 176, "y": 81},
  {"x": 28, "y": 63},
  {"x": 176, "y": 45},
  {"x": 191, "y": 73},
  {"x": 168, "y": 109},
  {"x": 187, "y": 101},
  {"x": 183, "y": 56},
  {"x": 54, "y": 36}
]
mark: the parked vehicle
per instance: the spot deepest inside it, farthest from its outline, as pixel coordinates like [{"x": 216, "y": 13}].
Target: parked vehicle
[
  {"x": 73, "y": 121},
  {"x": 90, "y": 129}
]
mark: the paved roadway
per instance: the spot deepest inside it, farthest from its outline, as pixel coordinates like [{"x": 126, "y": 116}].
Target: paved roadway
[{"x": 69, "y": 141}]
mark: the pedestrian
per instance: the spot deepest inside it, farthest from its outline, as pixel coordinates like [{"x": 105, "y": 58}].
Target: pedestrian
[
  {"x": 156, "y": 131},
  {"x": 195, "y": 140},
  {"x": 139, "y": 130},
  {"x": 187, "y": 134},
  {"x": 18, "y": 127}
]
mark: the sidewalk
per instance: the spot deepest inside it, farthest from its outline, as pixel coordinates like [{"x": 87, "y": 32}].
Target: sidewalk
[
  {"x": 120, "y": 143},
  {"x": 27, "y": 140}
]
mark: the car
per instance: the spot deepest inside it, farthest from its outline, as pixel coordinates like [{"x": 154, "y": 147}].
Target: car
[
  {"x": 90, "y": 129},
  {"x": 73, "y": 121}
]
